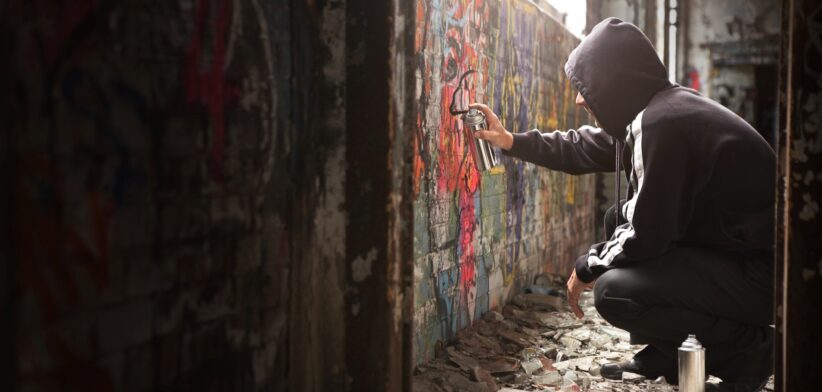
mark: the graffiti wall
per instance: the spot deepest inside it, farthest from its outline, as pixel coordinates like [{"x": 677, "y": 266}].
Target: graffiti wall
[
  {"x": 169, "y": 159},
  {"x": 479, "y": 237}
]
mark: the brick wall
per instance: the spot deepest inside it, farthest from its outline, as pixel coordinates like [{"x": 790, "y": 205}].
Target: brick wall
[
  {"x": 480, "y": 237},
  {"x": 168, "y": 176}
]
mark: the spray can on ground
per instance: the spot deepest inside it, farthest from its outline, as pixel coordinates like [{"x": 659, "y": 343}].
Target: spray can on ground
[
  {"x": 484, "y": 155},
  {"x": 691, "y": 365}
]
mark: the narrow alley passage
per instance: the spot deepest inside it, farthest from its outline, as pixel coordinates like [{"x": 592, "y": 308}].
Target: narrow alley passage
[
  {"x": 299, "y": 195},
  {"x": 537, "y": 344}
]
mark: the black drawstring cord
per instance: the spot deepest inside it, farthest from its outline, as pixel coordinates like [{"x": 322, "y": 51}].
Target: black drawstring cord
[{"x": 618, "y": 163}]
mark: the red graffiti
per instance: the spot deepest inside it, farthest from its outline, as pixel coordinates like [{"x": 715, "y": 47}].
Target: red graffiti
[
  {"x": 52, "y": 252},
  {"x": 50, "y": 247},
  {"x": 208, "y": 86},
  {"x": 457, "y": 172},
  {"x": 57, "y": 256},
  {"x": 693, "y": 79}
]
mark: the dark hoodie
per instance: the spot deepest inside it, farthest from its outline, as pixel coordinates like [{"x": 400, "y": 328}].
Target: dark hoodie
[{"x": 697, "y": 174}]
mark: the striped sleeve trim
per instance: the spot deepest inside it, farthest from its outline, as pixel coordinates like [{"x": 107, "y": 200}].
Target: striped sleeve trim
[{"x": 615, "y": 246}]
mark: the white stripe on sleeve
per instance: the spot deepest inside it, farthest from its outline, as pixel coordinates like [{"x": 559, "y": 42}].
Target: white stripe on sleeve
[{"x": 614, "y": 247}]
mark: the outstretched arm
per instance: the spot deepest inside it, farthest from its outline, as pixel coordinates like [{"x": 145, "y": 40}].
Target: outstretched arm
[{"x": 580, "y": 151}]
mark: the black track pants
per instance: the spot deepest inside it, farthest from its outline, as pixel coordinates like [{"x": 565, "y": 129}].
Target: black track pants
[{"x": 724, "y": 298}]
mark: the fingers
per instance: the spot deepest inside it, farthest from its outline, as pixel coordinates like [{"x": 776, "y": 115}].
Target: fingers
[{"x": 484, "y": 135}]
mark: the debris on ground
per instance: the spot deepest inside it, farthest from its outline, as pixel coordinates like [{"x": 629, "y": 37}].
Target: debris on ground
[{"x": 536, "y": 344}]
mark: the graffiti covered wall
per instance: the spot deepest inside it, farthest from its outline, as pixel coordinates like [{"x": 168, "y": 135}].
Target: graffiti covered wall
[
  {"x": 479, "y": 237},
  {"x": 169, "y": 159}
]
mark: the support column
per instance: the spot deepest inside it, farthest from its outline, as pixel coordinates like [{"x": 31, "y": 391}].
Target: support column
[
  {"x": 379, "y": 239},
  {"x": 798, "y": 249}
]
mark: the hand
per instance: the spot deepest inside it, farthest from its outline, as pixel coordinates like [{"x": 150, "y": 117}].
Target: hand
[
  {"x": 575, "y": 287},
  {"x": 495, "y": 133}
]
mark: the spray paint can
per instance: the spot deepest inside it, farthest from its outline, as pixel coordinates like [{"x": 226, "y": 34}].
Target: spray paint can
[
  {"x": 484, "y": 155},
  {"x": 691, "y": 365}
]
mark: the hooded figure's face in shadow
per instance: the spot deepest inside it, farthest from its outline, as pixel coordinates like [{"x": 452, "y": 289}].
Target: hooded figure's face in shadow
[
  {"x": 616, "y": 71},
  {"x": 581, "y": 102}
]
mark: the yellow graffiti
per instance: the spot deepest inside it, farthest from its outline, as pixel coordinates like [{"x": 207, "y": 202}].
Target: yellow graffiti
[
  {"x": 570, "y": 188},
  {"x": 497, "y": 170}
]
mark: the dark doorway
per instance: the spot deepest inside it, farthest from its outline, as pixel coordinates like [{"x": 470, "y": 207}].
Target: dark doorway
[{"x": 765, "y": 102}]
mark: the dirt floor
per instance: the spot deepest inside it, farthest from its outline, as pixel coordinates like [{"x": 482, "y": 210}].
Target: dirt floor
[{"x": 536, "y": 344}]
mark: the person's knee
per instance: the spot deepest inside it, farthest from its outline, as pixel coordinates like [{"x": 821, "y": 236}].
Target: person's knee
[{"x": 613, "y": 297}]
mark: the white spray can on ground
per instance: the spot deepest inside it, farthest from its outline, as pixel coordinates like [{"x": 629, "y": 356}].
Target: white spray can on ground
[{"x": 691, "y": 366}]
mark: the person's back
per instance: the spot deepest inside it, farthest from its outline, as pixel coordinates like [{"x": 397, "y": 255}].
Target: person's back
[{"x": 733, "y": 166}]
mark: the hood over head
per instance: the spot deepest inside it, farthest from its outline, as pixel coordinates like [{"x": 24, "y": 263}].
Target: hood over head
[{"x": 617, "y": 71}]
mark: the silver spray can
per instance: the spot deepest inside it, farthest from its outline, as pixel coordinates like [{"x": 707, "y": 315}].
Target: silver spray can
[
  {"x": 691, "y": 366},
  {"x": 484, "y": 155}
]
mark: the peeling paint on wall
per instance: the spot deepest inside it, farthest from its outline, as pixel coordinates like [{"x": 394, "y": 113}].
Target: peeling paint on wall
[{"x": 479, "y": 237}]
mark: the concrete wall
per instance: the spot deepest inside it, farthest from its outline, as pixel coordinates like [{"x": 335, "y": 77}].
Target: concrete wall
[
  {"x": 177, "y": 217},
  {"x": 479, "y": 237},
  {"x": 730, "y": 33}
]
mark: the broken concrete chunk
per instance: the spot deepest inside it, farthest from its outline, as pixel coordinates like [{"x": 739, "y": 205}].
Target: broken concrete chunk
[
  {"x": 501, "y": 365},
  {"x": 493, "y": 316},
  {"x": 550, "y": 379},
  {"x": 570, "y": 386},
  {"x": 531, "y": 332},
  {"x": 514, "y": 337},
  {"x": 549, "y": 352},
  {"x": 531, "y": 365},
  {"x": 582, "y": 334},
  {"x": 520, "y": 378},
  {"x": 547, "y": 364},
  {"x": 485, "y": 377},
  {"x": 610, "y": 355},
  {"x": 465, "y": 362},
  {"x": 632, "y": 377},
  {"x": 615, "y": 332},
  {"x": 570, "y": 343},
  {"x": 579, "y": 378},
  {"x": 584, "y": 363},
  {"x": 598, "y": 340},
  {"x": 562, "y": 365},
  {"x": 529, "y": 353},
  {"x": 623, "y": 346}
]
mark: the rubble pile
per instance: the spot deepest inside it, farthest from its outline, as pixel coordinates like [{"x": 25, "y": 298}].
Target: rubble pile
[{"x": 535, "y": 344}]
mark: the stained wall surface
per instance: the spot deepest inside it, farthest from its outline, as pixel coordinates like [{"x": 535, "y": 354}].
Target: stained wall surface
[
  {"x": 480, "y": 237},
  {"x": 171, "y": 188},
  {"x": 727, "y": 33},
  {"x": 798, "y": 314}
]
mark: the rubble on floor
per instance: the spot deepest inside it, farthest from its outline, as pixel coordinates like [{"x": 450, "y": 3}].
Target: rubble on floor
[{"x": 535, "y": 344}]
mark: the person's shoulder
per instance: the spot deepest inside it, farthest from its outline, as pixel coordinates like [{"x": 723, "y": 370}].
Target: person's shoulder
[{"x": 686, "y": 110}]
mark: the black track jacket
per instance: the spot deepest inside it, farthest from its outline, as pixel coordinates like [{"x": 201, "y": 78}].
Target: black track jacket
[{"x": 698, "y": 174}]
